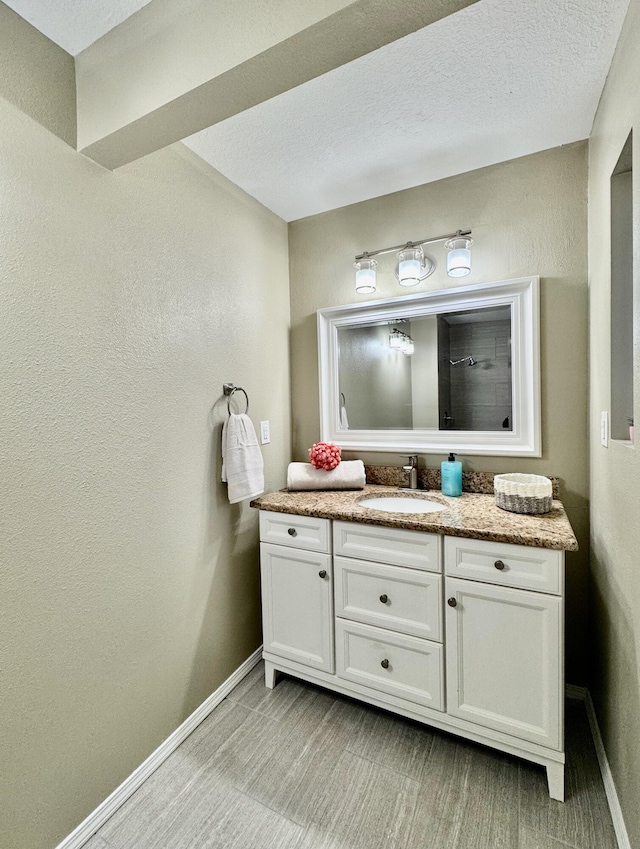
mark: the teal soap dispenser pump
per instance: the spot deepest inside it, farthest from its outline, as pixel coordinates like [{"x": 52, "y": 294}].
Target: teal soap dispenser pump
[{"x": 451, "y": 476}]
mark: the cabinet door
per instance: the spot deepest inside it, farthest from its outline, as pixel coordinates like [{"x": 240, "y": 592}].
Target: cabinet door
[
  {"x": 297, "y": 605},
  {"x": 504, "y": 660}
]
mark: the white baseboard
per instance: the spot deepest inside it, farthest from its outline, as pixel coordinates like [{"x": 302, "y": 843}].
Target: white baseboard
[
  {"x": 106, "y": 809},
  {"x": 620, "y": 828}
]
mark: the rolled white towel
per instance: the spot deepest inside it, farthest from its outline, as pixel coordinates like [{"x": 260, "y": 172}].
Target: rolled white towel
[{"x": 348, "y": 475}]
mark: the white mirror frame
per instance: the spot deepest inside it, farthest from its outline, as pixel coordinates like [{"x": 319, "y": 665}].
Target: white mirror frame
[{"x": 521, "y": 295}]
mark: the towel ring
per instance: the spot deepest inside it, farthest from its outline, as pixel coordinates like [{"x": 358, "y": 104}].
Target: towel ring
[{"x": 230, "y": 390}]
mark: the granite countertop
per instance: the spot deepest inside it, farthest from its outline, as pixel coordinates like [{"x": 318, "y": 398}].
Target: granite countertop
[{"x": 472, "y": 515}]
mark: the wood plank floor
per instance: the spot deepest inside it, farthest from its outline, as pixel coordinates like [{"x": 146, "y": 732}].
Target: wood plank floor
[{"x": 301, "y": 768}]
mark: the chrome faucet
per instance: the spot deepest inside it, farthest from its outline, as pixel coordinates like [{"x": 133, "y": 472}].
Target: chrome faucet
[{"x": 412, "y": 469}]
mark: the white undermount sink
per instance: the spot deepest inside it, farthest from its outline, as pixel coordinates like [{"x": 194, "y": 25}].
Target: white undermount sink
[{"x": 400, "y": 504}]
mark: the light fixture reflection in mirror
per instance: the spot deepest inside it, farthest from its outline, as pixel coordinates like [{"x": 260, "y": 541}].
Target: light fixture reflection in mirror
[
  {"x": 402, "y": 342},
  {"x": 395, "y": 339}
]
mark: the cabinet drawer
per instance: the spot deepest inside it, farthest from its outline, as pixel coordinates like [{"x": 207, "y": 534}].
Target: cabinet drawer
[
  {"x": 392, "y": 597},
  {"x": 402, "y": 666},
  {"x": 520, "y": 566},
  {"x": 395, "y": 546},
  {"x": 305, "y": 532}
]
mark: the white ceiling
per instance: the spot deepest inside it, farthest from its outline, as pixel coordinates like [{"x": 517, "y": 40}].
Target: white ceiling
[
  {"x": 75, "y": 24},
  {"x": 498, "y": 80}
]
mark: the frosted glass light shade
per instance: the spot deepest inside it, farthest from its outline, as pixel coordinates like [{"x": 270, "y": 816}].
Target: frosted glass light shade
[
  {"x": 459, "y": 263},
  {"x": 408, "y": 347},
  {"x": 459, "y": 257},
  {"x": 396, "y": 340},
  {"x": 410, "y": 262},
  {"x": 365, "y": 276}
]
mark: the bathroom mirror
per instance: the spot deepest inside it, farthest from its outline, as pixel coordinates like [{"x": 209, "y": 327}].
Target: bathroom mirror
[{"x": 455, "y": 369}]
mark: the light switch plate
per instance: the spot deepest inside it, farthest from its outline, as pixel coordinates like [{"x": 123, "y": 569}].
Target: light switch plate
[
  {"x": 604, "y": 428},
  {"x": 265, "y": 432}
]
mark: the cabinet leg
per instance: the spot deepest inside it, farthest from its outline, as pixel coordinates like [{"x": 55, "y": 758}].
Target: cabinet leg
[
  {"x": 555, "y": 780},
  {"x": 269, "y": 675}
]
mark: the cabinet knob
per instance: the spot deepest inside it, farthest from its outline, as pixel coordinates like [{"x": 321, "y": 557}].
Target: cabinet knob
[
  {"x": 499, "y": 565},
  {"x": 323, "y": 573},
  {"x": 384, "y": 598},
  {"x": 292, "y": 532},
  {"x": 452, "y": 602},
  {"x": 384, "y": 663}
]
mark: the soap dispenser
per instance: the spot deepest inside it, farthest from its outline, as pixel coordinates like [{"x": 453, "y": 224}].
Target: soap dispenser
[{"x": 451, "y": 476}]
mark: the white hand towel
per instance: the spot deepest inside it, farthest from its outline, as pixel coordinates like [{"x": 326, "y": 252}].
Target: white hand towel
[
  {"x": 348, "y": 475},
  {"x": 242, "y": 463},
  {"x": 344, "y": 421}
]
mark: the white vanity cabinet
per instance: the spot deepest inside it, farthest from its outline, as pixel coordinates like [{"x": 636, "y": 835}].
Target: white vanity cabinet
[{"x": 462, "y": 634}]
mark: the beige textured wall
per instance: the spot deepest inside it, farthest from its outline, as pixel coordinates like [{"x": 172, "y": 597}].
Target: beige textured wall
[
  {"x": 528, "y": 217},
  {"x": 129, "y": 587},
  {"x": 37, "y": 76},
  {"x": 615, "y": 471}
]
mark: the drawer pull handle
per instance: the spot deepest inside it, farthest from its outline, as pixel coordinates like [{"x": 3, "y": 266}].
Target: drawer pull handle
[
  {"x": 384, "y": 598},
  {"x": 322, "y": 573},
  {"x": 452, "y": 602},
  {"x": 499, "y": 565},
  {"x": 384, "y": 663},
  {"x": 292, "y": 532}
]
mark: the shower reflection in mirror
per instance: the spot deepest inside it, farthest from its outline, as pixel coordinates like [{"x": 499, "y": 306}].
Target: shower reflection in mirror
[{"x": 450, "y": 371}]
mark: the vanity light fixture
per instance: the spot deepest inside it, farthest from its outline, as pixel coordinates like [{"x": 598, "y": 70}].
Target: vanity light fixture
[{"x": 413, "y": 266}]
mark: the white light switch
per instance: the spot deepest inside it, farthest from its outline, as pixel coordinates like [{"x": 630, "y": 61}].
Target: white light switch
[
  {"x": 265, "y": 432},
  {"x": 604, "y": 428}
]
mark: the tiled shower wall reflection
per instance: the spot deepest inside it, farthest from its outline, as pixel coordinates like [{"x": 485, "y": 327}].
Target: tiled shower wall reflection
[{"x": 480, "y": 395}]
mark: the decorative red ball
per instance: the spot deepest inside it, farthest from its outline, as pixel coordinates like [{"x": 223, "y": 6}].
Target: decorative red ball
[{"x": 324, "y": 455}]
